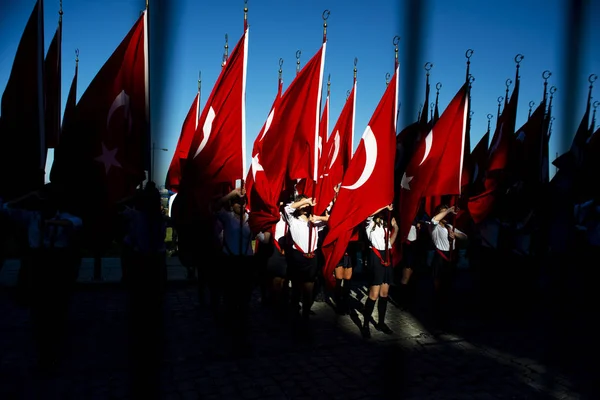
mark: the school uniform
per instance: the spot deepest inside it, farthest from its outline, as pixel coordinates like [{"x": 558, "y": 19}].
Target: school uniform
[
  {"x": 304, "y": 235},
  {"x": 379, "y": 265}
]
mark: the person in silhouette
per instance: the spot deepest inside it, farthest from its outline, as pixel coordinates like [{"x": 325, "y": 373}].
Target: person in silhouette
[{"x": 54, "y": 259}]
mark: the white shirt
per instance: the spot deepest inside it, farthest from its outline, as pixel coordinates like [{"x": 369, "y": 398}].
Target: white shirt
[
  {"x": 376, "y": 235},
  {"x": 299, "y": 231},
  {"x": 412, "y": 234},
  {"x": 53, "y": 236},
  {"x": 439, "y": 235}
]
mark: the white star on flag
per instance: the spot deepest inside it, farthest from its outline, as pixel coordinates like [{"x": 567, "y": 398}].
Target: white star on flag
[
  {"x": 256, "y": 166},
  {"x": 108, "y": 158},
  {"x": 404, "y": 183}
]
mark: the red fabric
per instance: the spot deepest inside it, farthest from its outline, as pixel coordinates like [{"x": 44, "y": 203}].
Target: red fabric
[
  {"x": 215, "y": 153},
  {"x": 368, "y": 183},
  {"x": 52, "y": 76},
  {"x": 22, "y": 148},
  {"x": 303, "y": 158},
  {"x": 436, "y": 167},
  {"x": 499, "y": 153},
  {"x": 260, "y": 215},
  {"x": 190, "y": 124},
  {"x": 311, "y": 185},
  {"x": 295, "y": 115},
  {"x": 104, "y": 148},
  {"x": 337, "y": 154}
]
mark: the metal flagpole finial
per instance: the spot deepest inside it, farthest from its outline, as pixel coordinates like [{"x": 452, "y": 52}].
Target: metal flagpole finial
[
  {"x": 395, "y": 42},
  {"x": 469, "y": 54},
  {"x": 76, "y": 55},
  {"x": 545, "y": 75},
  {"x": 298, "y": 54},
  {"x": 199, "y": 80},
  {"x": 280, "y": 67},
  {"x": 325, "y": 15},
  {"x": 596, "y": 104},
  {"x": 438, "y": 86},
  {"x": 226, "y": 51},
  {"x": 489, "y": 118},
  {"x": 508, "y": 83},
  {"x": 428, "y": 67},
  {"x": 431, "y": 107},
  {"x": 531, "y": 104},
  {"x": 328, "y": 84},
  {"x": 387, "y": 78},
  {"x": 355, "y": 62},
  {"x": 60, "y": 10},
  {"x": 500, "y": 100},
  {"x": 591, "y": 79}
]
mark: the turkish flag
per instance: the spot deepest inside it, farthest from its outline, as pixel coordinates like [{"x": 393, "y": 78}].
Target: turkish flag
[
  {"x": 436, "y": 167},
  {"x": 295, "y": 114},
  {"x": 102, "y": 151},
  {"x": 190, "y": 124},
  {"x": 499, "y": 161},
  {"x": 337, "y": 154},
  {"x": 23, "y": 151},
  {"x": 53, "y": 81},
  {"x": 310, "y": 186},
  {"x": 217, "y": 150},
  {"x": 256, "y": 172},
  {"x": 368, "y": 183}
]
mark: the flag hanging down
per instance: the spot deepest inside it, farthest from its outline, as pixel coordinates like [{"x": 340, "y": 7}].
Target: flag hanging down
[
  {"x": 22, "y": 131},
  {"x": 70, "y": 106},
  {"x": 53, "y": 81},
  {"x": 217, "y": 150},
  {"x": 255, "y": 174},
  {"x": 368, "y": 183},
  {"x": 337, "y": 154},
  {"x": 309, "y": 186},
  {"x": 436, "y": 167},
  {"x": 298, "y": 112},
  {"x": 190, "y": 124},
  {"x": 103, "y": 149},
  {"x": 499, "y": 165}
]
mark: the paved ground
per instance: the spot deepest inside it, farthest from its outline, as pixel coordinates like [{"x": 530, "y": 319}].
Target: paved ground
[{"x": 530, "y": 356}]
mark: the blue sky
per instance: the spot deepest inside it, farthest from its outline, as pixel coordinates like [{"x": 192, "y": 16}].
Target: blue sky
[{"x": 187, "y": 36}]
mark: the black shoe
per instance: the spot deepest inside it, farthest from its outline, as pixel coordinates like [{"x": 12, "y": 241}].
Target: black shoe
[
  {"x": 365, "y": 331},
  {"x": 382, "y": 327}
]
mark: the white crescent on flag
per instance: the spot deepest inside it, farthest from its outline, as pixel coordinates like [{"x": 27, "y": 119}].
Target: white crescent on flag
[
  {"x": 206, "y": 129},
  {"x": 370, "y": 143},
  {"x": 336, "y": 148},
  {"x": 121, "y": 100}
]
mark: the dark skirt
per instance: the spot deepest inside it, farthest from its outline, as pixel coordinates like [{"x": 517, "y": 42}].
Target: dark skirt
[{"x": 379, "y": 273}]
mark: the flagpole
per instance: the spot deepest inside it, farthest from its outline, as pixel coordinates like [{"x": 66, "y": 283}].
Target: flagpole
[
  {"x": 41, "y": 94},
  {"x": 147, "y": 84},
  {"x": 243, "y": 134},
  {"x": 60, "y": 14},
  {"x": 225, "y": 52},
  {"x": 395, "y": 42}
]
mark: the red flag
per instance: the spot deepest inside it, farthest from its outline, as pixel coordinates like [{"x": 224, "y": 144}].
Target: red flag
[
  {"x": 310, "y": 187},
  {"x": 190, "y": 124},
  {"x": 104, "y": 149},
  {"x": 296, "y": 114},
  {"x": 255, "y": 167},
  {"x": 436, "y": 167},
  {"x": 337, "y": 154},
  {"x": 71, "y": 104},
  {"x": 303, "y": 159},
  {"x": 23, "y": 149},
  {"x": 52, "y": 75},
  {"x": 217, "y": 151},
  {"x": 368, "y": 183},
  {"x": 498, "y": 166}
]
